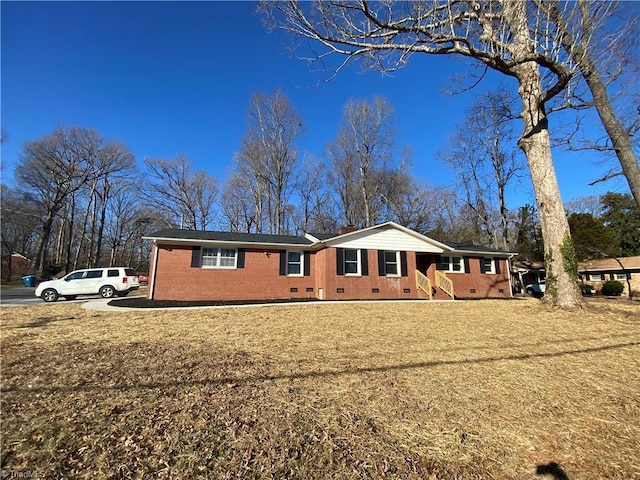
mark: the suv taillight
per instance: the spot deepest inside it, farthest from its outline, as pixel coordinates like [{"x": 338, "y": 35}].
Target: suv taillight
[{"x": 124, "y": 279}]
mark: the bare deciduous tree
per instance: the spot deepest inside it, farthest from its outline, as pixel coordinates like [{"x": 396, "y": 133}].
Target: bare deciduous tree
[
  {"x": 51, "y": 170},
  {"x": 17, "y": 229},
  {"x": 190, "y": 197},
  {"x": 238, "y": 205},
  {"x": 581, "y": 34},
  {"x": 316, "y": 212},
  {"x": 268, "y": 154},
  {"x": 361, "y": 155},
  {"x": 409, "y": 203},
  {"x": 482, "y": 154},
  {"x": 504, "y": 35}
]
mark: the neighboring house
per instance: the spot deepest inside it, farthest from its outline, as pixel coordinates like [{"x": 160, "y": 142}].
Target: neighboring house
[
  {"x": 626, "y": 270},
  {"x": 525, "y": 273},
  {"x": 13, "y": 267},
  {"x": 387, "y": 261}
]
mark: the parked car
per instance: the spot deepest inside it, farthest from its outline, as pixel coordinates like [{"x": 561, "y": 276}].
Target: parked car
[
  {"x": 108, "y": 282},
  {"x": 143, "y": 278},
  {"x": 536, "y": 289},
  {"x": 587, "y": 290}
]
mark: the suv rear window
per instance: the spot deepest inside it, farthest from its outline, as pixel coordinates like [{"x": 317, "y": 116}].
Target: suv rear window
[
  {"x": 94, "y": 274},
  {"x": 112, "y": 273},
  {"x": 130, "y": 272}
]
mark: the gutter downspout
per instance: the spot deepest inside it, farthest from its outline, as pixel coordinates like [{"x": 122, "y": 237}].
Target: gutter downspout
[{"x": 153, "y": 274}]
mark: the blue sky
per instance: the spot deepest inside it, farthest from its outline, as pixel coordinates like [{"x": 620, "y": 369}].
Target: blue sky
[{"x": 176, "y": 77}]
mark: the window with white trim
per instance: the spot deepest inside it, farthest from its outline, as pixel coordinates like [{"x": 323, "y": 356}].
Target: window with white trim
[
  {"x": 392, "y": 263},
  {"x": 352, "y": 262},
  {"x": 596, "y": 277},
  {"x": 619, "y": 276},
  {"x": 489, "y": 265},
  {"x": 451, "y": 264},
  {"x": 295, "y": 264},
  {"x": 219, "y": 257}
]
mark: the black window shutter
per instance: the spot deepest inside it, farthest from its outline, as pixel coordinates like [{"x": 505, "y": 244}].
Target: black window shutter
[
  {"x": 307, "y": 264},
  {"x": 382, "y": 269},
  {"x": 339, "y": 261},
  {"x": 364, "y": 262},
  {"x": 283, "y": 262},
  {"x": 467, "y": 268},
  {"x": 240, "y": 262},
  {"x": 403, "y": 264},
  {"x": 496, "y": 261},
  {"x": 481, "y": 260},
  {"x": 195, "y": 257}
]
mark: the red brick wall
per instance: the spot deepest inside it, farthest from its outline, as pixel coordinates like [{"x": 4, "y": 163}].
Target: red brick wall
[
  {"x": 485, "y": 285},
  {"x": 361, "y": 288},
  {"x": 260, "y": 279}
]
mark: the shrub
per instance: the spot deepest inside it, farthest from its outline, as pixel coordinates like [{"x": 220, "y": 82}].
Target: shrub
[{"x": 612, "y": 288}]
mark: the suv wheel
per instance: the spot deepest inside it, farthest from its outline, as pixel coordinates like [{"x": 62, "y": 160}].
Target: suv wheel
[
  {"x": 107, "y": 291},
  {"x": 50, "y": 295}
]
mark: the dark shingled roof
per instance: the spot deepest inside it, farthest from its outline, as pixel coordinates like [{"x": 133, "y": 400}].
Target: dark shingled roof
[
  {"x": 232, "y": 237},
  {"x": 469, "y": 247},
  {"x": 323, "y": 236}
]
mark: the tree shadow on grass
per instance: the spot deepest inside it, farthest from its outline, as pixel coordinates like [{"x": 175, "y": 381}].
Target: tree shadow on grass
[
  {"x": 552, "y": 469},
  {"x": 248, "y": 380},
  {"x": 43, "y": 322}
]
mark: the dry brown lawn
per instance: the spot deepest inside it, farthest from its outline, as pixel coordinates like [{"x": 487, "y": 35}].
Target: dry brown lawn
[{"x": 465, "y": 390}]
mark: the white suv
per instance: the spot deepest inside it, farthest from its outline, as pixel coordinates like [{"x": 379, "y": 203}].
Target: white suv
[{"x": 108, "y": 282}]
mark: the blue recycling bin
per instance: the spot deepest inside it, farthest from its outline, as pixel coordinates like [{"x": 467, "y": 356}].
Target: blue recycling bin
[{"x": 29, "y": 280}]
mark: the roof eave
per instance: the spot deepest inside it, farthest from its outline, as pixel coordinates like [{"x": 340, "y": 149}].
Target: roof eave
[{"x": 258, "y": 245}]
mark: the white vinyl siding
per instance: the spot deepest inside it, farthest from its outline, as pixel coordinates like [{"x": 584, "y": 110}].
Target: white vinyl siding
[{"x": 386, "y": 239}]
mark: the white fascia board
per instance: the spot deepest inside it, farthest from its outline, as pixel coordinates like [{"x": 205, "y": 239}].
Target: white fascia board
[
  {"x": 485, "y": 254},
  {"x": 255, "y": 245},
  {"x": 311, "y": 238},
  {"x": 611, "y": 269}
]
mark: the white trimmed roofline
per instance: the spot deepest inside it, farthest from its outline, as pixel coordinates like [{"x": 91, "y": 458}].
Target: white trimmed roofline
[
  {"x": 257, "y": 245},
  {"x": 320, "y": 244},
  {"x": 413, "y": 233}
]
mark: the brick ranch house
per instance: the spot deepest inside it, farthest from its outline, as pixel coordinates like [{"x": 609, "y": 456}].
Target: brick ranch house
[
  {"x": 386, "y": 261},
  {"x": 626, "y": 270}
]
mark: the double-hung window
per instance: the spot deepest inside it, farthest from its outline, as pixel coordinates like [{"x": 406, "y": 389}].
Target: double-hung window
[
  {"x": 219, "y": 257},
  {"x": 619, "y": 276},
  {"x": 451, "y": 264},
  {"x": 295, "y": 264},
  {"x": 351, "y": 262},
  {"x": 488, "y": 265},
  {"x": 596, "y": 277},
  {"x": 392, "y": 263}
]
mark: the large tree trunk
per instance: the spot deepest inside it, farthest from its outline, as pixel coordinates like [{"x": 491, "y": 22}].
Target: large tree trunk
[
  {"x": 560, "y": 259},
  {"x": 619, "y": 138},
  {"x": 561, "y": 286},
  {"x": 43, "y": 239}
]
